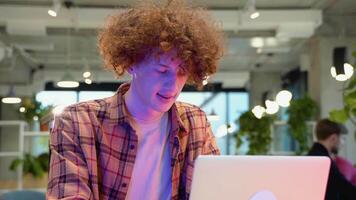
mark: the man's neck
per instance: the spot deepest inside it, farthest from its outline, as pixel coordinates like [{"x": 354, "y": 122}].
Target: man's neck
[
  {"x": 138, "y": 110},
  {"x": 326, "y": 145}
]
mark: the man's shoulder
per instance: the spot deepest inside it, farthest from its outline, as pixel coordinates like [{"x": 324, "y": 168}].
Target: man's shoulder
[
  {"x": 318, "y": 150},
  {"x": 191, "y": 116},
  {"x": 183, "y": 106},
  {"x": 187, "y": 108},
  {"x": 87, "y": 107}
]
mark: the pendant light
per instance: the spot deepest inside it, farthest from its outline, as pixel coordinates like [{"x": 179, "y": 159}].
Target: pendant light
[
  {"x": 68, "y": 80},
  {"x": 11, "y": 98}
]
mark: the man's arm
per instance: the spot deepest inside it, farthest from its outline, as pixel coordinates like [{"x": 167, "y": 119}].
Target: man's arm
[
  {"x": 210, "y": 147},
  {"x": 68, "y": 174},
  {"x": 346, "y": 189}
]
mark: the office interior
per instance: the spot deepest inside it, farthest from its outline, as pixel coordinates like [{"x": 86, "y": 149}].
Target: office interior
[{"x": 279, "y": 54}]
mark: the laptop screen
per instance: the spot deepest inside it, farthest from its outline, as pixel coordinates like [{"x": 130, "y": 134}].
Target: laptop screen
[{"x": 260, "y": 177}]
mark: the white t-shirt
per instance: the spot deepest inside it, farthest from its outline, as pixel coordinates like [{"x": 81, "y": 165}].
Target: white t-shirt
[{"x": 151, "y": 177}]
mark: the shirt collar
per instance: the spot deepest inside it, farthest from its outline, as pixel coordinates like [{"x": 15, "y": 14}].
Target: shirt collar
[
  {"x": 117, "y": 108},
  {"x": 119, "y": 113},
  {"x": 321, "y": 148}
]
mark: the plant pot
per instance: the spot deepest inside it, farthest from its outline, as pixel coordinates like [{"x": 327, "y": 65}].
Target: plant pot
[
  {"x": 34, "y": 182},
  {"x": 44, "y": 127}
]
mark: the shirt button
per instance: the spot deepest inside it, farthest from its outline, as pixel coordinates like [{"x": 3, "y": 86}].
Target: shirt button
[
  {"x": 132, "y": 146},
  {"x": 124, "y": 185}
]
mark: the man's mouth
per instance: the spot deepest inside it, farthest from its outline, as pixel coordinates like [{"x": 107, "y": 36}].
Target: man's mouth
[{"x": 165, "y": 96}]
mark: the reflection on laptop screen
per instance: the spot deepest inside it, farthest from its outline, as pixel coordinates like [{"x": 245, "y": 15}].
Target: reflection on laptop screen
[{"x": 260, "y": 177}]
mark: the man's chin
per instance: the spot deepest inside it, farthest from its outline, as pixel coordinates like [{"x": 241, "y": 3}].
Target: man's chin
[
  {"x": 162, "y": 108},
  {"x": 335, "y": 151}
]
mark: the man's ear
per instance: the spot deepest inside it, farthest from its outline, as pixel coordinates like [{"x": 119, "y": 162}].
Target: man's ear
[
  {"x": 130, "y": 70},
  {"x": 333, "y": 137}
]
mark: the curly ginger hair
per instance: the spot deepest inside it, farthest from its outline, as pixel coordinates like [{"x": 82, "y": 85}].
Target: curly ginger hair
[{"x": 131, "y": 35}]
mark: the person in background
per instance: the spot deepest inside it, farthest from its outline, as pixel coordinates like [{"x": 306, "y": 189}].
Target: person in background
[
  {"x": 345, "y": 166},
  {"x": 328, "y": 136},
  {"x": 140, "y": 143}
]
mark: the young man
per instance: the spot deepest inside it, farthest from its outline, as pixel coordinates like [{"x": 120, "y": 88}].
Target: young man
[
  {"x": 140, "y": 143},
  {"x": 329, "y": 139}
]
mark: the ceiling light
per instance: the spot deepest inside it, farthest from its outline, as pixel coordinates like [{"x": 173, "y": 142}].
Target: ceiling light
[
  {"x": 224, "y": 129},
  {"x": 205, "y": 81},
  {"x": 348, "y": 72},
  {"x": 283, "y": 98},
  {"x": 251, "y": 9},
  {"x": 22, "y": 109},
  {"x": 53, "y": 11},
  {"x": 333, "y": 72},
  {"x": 86, "y": 74},
  {"x": 258, "y": 111},
  {"x": 67, "y": 84},
  {"x": 11, "y": 98},
  {"x": 88, "y": 81},
  {"x": 341, "y": 77},
  {"x": 68, "y": 81},
  {"x": 254, "y": 15},
  {"x": 257, "y": 42},
  {"x": 341, "y": 70},
  {"x": 271, "y": 107}
]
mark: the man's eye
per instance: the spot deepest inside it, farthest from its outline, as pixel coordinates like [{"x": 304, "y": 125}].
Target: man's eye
[
  {"x": 163, "y": 71},
  {"x": 182, "y": 71}
]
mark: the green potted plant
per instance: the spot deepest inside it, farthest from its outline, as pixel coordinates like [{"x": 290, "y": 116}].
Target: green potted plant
[
  {"x": 31, "y": 110},
  {"x": 34, "y": 169},
  {"x": 37, "y": 166},
  {"x": 300, "y": 112},
  {"x": 256, "y": 131}
]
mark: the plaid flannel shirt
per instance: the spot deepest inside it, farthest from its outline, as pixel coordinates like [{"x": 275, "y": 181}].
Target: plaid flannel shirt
[{"x": 93, "y": 149}]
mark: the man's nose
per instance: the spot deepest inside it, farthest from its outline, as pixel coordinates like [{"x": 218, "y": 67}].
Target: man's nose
[{"x": 171, "y": 81}]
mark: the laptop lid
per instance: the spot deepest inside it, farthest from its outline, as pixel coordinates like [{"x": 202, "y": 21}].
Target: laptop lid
[{"x": 260, "y": 177}]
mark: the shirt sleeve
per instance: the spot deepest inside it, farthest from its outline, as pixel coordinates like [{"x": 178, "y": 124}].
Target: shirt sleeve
[
  {"x": 210, "y": 147},
  {"x": 68, "y": 174}
]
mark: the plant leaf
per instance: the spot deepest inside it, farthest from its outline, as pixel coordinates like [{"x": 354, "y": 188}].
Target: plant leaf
[
  {"x": 351, "y": 84},
  {"x": 14, "y": 164},
  {"x": 340, "y": 116},
  {"x": 350, "y": 99}
]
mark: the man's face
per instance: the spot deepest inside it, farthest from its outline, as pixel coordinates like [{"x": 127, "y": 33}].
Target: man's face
[
  {"x": 158, "y": 80},
  {"x": 337, "y": 143}
]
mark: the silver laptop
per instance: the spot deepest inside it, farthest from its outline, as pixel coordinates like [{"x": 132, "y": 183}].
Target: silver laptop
[{"x": 260, "y": 178}]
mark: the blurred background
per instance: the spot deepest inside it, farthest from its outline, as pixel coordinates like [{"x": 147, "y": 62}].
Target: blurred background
[{"x": 288, "y": 63}]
